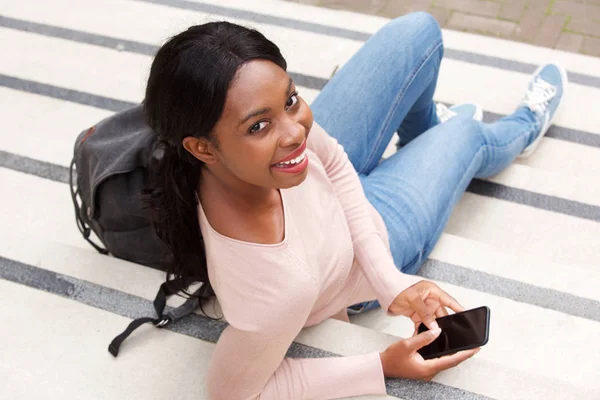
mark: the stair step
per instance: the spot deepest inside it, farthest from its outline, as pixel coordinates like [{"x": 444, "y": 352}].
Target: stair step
[
  {"x": 519, "y": 228},
  {"x": 581, "y": 280},
  {"x": 527, "y": 230},
  {"x": 512, "y": 329}
]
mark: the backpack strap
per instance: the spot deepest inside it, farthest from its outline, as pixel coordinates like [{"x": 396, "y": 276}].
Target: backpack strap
[
  {"x": 163, "y": 318},
  {"x": 83, "y": 228}
]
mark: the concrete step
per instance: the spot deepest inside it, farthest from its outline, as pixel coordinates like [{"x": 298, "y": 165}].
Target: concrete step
[
  {"x": 515, "y": 326},
  {"x": 332, "y": 50},
  {"x": 69, "y": 118},
  {"x": 517, "y": 228},
  {"x": 580, "y": 281}
]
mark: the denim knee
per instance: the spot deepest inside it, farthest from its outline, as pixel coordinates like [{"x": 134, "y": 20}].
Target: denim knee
[
  {"x": 420, "y": 24},
  {"x": 463, "y": 130}
]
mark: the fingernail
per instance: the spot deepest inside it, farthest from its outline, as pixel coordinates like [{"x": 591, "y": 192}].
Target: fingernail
[
  {"x": 434, "y": 325},
  {"x": 435, "y": 332}
]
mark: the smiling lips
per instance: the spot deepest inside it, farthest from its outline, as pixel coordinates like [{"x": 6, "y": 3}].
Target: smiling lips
[
  {"x": 295, "y": 163},
  {"x": 296, "y": 157},
  {"x": 295, "y": 166}
]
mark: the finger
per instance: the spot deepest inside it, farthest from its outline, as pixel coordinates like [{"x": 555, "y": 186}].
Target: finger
[
  {"x": 419, "y": 307},
  {"x": 416, "y": 331},
  {"x": 422, "y": 339},
  {"x": 449, "y": 301},
  {"x": 432, "y": 302},
  {"x": 417, "y": 325},
  {"x": 442, "y": 363},
  {"x": 441, "y": 312},
  {"x": 415, "y": 318}
]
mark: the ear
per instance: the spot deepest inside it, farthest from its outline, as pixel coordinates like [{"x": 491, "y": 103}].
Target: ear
[{"x": 201, "y": 148}]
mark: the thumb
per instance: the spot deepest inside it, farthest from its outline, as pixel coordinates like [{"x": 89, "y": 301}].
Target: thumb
[{"x": 422, "y": 339}]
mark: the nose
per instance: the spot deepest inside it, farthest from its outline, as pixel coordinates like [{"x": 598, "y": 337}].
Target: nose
[{"x": 292, "y": 133}]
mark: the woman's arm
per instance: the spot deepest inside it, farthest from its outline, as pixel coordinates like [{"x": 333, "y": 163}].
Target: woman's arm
[
  {"x": 251, "y": 365},
  {"x": 266, "y": 305},
  {"x": 369, "y": 249}
]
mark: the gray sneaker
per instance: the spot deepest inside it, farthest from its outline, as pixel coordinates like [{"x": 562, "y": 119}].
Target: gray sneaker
[
  {"x": 544, "y": 94},
  {"x": 468, "y": 109}
]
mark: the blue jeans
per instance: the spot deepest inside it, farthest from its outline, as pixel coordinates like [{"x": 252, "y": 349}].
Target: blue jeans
[{"x": 387, "y": 88}]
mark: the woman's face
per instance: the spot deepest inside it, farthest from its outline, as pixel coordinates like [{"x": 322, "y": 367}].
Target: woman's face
[{"x": 264, "y": 121}]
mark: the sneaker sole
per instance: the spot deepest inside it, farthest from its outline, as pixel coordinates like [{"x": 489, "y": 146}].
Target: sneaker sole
[
  {"x": 478, "y": 116},
  {"x": 563, "y": 75},
  {"x": 478, "y": 113}
]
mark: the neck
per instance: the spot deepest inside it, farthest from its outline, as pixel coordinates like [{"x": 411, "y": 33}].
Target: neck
[{"x": 239, "y": 195}]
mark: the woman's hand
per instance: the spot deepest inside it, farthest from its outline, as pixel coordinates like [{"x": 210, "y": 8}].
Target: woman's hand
[
  {"x": 423, "y": 302},
  {"x": 401, "y": 359}
]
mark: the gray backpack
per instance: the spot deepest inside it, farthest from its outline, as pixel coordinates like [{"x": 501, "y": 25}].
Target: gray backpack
[{"x": 111, "y": 160}]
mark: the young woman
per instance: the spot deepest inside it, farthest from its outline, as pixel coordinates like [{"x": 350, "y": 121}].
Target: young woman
[{"x": 287, "y": 212}]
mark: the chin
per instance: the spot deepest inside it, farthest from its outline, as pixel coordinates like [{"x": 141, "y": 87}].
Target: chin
[{"x": 294, "y": 180}]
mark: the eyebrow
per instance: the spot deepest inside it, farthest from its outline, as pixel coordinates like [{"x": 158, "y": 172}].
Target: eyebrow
[{"x": 266, "y": 109}]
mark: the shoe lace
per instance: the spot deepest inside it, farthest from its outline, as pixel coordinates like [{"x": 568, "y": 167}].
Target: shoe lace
[
  {"x": 538, "y": 97},
  {"x": 443, "y": 112}
]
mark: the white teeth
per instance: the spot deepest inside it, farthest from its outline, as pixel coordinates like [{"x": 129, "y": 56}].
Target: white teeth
[{"x": 295, "y": 160}]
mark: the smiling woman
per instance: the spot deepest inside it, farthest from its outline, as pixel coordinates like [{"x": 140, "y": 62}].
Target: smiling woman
[
  {"x": 291, "y": 221},
  {"x": 261, "y": 132}
]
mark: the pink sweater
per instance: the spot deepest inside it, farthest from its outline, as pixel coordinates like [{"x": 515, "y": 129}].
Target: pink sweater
[{"x": 335, "y": 253}]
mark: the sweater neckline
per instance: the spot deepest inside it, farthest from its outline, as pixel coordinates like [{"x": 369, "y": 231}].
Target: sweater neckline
[{"x": 253, "y": 244}]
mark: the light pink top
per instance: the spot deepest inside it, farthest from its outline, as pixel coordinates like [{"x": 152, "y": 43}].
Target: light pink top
[{"x": 335, "y": 253}]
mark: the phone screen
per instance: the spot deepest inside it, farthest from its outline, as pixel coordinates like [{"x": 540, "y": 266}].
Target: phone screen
[{"x": 460, "y": 331}]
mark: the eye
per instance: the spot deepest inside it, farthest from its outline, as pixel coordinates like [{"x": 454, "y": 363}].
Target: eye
[
  {"x": 292, "y": 101},
  {"x": 259, "y": 126}
]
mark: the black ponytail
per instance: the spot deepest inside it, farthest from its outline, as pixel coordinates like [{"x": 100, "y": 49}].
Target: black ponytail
[
  {"x": 171, "y": 199},
  {"x": 185, "y": 96}
]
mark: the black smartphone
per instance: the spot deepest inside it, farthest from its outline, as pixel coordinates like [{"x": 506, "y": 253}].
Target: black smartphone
[{"x": 461, "y": 331}]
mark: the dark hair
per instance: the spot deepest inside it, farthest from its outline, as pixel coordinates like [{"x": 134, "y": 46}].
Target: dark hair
[{"x": 185, "y": 96}]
